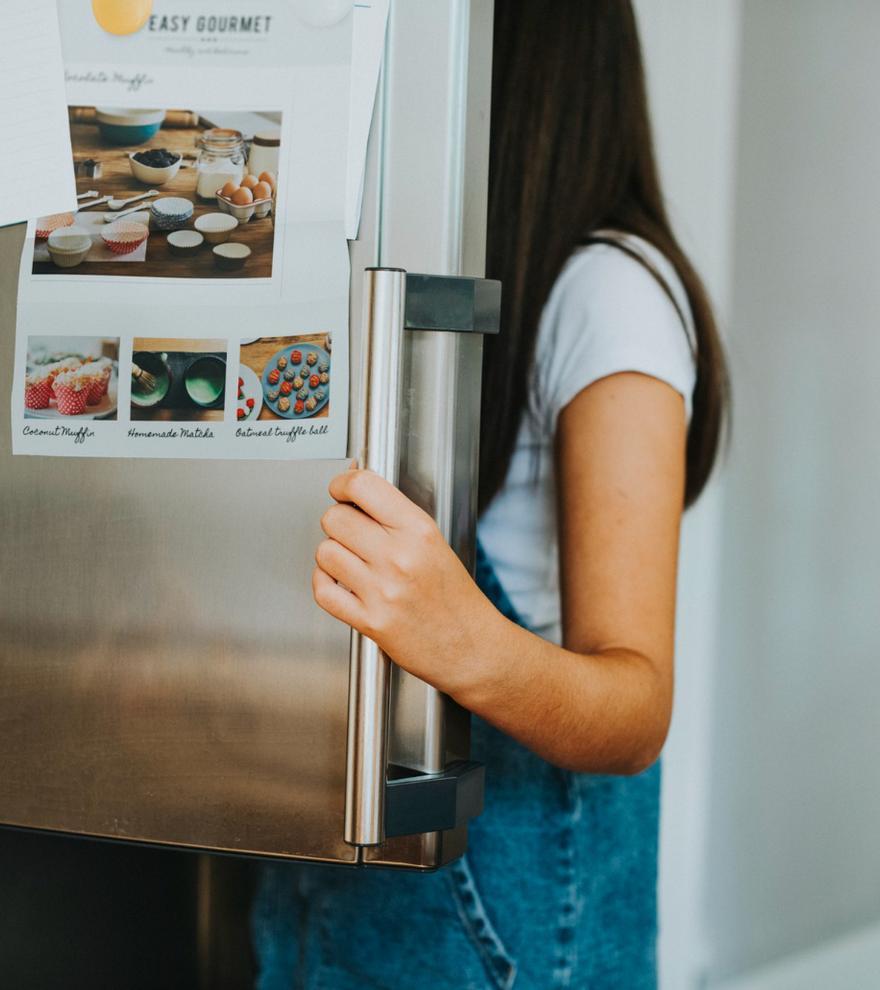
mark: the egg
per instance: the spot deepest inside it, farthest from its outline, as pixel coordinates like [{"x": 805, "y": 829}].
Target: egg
[
  {"x": 262, "y": 190},
  {"x": 249, "y": 181},
  {"x": 243, "y": 196},
  {"x": 268, "y": 178},
  {"x": 229, "y": 189}
]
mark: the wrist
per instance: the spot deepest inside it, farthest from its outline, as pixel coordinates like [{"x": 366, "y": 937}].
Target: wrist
[{"x": 486, "y": 660}]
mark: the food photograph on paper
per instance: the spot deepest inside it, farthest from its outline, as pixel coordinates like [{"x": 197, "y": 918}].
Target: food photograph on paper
[
  {"x": 71, "y": 378},
  {"x": 284, "y": 377},
  {"x": 176, "y": 379},
  {"x": 167, "y": 194}
]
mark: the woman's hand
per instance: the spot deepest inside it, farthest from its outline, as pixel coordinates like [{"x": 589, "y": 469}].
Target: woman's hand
[{"x": 385, "y": 569}]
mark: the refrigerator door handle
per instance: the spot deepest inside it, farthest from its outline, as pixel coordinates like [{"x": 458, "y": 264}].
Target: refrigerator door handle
[{"x": 377, "y": 448}]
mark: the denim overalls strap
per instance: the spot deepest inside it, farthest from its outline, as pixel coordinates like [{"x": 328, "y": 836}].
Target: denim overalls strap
[{"x": 557, "y": 889}]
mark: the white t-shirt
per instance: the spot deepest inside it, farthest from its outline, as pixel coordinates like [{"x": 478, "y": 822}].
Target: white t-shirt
[{"x": 605, "y": 314}]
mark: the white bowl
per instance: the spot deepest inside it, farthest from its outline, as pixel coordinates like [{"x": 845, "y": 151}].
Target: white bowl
[
  {"x": 216, "y": 227},
  {"x": 129, "y": 116},
  {"x": 231, "y": 256},
  {"x": 184, "y": 243},
  {"x": 68, "y": 246},
  {"x": 120, "y": 125},
  {"x": 71, "y": 238},
  {"x": 153, "y": 176}
]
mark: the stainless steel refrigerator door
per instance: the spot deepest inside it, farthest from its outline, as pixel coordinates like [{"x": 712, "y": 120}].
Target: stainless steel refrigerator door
[{"x": 165, "y": 675}]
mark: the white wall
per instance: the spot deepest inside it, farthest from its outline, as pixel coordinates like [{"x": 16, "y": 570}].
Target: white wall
[
  {"x": 691, "y": 56},
  {"x": 794, "y": 821},
  {"x": 771, "y": 828}
]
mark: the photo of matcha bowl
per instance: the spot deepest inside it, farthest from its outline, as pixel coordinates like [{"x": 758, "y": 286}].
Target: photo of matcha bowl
[
  {"x": 205, "y": 381},
  {"x": 178, "y": 379},
  {"x": 150, "y": 379}
]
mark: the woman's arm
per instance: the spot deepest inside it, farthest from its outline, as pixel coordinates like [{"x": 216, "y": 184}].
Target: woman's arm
[{"x": 602, "y": 701}]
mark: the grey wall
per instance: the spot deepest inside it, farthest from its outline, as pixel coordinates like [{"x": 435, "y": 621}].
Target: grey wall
[{"x": 794, "y": 821}]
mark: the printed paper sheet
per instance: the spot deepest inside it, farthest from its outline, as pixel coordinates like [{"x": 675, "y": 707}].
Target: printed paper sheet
[
  {"x": 34, "y": 167},
  {"x": 218, "y": 327}
]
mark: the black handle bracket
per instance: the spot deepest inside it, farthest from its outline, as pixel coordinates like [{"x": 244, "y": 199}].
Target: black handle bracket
[
  {"x": 433, "y": 802},
  {"x": 454, "y": 303}
]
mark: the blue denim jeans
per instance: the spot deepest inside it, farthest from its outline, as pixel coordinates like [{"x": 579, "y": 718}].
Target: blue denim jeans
[{"x": 558, "y": 889}]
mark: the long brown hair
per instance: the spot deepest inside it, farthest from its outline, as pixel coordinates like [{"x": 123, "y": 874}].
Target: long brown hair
[{"x": 571, "y": 155}]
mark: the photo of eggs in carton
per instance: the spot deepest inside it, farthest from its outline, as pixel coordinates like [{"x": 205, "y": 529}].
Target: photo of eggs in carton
[{"x": 251, "y": 198}]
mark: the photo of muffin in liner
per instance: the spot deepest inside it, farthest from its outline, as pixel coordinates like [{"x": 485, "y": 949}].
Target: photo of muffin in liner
[{"x": 69, "y": 377}]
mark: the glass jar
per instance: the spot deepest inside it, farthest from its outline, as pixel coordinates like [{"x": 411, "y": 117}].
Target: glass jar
[
  {"x": 265, "y": 149},
  {"x": 221, "y": 159}
]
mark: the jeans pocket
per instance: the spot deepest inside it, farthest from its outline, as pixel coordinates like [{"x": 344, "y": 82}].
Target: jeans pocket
[{"x": 497, "y": 961}]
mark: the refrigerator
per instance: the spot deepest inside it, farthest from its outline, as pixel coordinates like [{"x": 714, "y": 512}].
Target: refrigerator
[{"x": 166, "y": 678}]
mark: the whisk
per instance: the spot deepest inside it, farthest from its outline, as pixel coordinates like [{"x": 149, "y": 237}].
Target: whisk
[{"x": 145, "y": 380}]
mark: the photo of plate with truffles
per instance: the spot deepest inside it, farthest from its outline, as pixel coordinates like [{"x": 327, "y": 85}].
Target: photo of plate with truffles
[
  {"x": 167, "y": 194},
  {"x": 71, "y": 378},
  {"x": 295, "y": 375}
]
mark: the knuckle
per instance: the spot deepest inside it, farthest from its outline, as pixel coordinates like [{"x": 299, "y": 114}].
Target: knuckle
[
  {"x": 358, "y": 484},
  {"x": 425, "y": 529},
  {"x": 409, "y": 560},
  {"x": 391, "y": 593},
  {"x": 401, "y": 563}
]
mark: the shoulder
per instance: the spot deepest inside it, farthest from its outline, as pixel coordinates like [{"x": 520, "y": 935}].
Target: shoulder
[
  {"x": 608, "y": 313},
  {"x": 610, "y": 287}
]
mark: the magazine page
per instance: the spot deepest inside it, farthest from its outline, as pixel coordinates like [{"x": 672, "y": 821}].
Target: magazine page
[{"x": 196, "y": 304}]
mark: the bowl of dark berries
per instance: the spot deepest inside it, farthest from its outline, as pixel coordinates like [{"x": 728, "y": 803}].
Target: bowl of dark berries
[{"x": 155, "y": 166}]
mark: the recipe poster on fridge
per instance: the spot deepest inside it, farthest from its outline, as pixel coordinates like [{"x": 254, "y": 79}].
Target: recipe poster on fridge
[{"x": 196, "y": 304}]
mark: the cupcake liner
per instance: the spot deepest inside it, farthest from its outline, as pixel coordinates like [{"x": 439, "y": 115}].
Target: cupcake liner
[
  {"x": 96, "y": 391},
  {"x": 71, "y": 401},
  {"x": 45, "y": 225},
  {"x": 38, "y": 394},
  {"x": 124, "y": 236}
]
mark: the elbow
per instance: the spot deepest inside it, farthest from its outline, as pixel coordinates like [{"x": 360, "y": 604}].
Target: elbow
[
  {"x": 649, "y": 746},
  {"x": 639, "y": 751},
  {"x": 637, "y": 757},
  {"x": 642, "y": 759},
  {"x": 647, "y": 741}
]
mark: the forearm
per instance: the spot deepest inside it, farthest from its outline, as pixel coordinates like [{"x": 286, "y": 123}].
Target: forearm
[
  {"x": 604, "y": 712},
  {"x": 602, "y": 707}
]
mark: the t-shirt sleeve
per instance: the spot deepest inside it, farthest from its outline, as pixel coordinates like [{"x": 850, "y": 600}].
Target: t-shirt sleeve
[{"x": 607, "y": 314}]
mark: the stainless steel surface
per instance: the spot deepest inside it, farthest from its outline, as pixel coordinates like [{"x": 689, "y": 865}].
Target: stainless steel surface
[
  {"x": 377, "y": 447},
  {"x": 150, "y": 685},
  {"x": 443, "y": 137},
  {"x": 438, "y": 471},
  {"x": 164, "y": 672}
]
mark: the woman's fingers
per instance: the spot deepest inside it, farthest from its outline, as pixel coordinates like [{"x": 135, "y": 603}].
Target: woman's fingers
[
  {"x": 343, "y": 566},
  {"x": 376, "y": 496},
  {"x": 336, "y": 600},
  {"x": 355, "y": 530}
]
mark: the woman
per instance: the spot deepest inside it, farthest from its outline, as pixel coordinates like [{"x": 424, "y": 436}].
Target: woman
[{"x": 603, "y": 400}]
